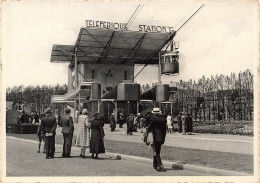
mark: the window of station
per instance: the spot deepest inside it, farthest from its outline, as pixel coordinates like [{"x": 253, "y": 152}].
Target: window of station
[
  {"x": 93, "y": 74},
  {"x": 109, "y": 88},
  {"x": 125, "y": 75}
]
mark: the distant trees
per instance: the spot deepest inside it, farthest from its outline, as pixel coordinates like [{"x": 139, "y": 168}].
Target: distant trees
[
  {"x": 37, "y": 97},
  {"x": 206, "y": 98}
]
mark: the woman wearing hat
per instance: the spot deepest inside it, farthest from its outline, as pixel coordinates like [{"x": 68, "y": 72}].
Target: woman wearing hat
[
  {"x": 83, "y": 134},
  {"x": 97, "y": 137}
]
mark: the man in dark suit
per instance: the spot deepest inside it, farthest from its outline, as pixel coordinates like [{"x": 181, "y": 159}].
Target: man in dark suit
[
  {"x": 48, "y": 126},
  {"x": 67, "y": 130},
  {"x": 157, "y": 126}
]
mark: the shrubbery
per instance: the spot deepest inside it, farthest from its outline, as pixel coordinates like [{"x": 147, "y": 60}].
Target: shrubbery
[
  {"x": 25, "y": 128},
  {"x": 236, "y": 128}
]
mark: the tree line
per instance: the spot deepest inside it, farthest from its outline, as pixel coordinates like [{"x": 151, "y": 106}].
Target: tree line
[
  {"x": 207, "y": 98},
  {"x": 37, "y": 98}
]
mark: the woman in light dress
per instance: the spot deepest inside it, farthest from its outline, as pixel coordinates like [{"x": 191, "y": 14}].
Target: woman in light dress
[
  {"x": 169, "y": 123},
  {"x": 83, "y": 135}
]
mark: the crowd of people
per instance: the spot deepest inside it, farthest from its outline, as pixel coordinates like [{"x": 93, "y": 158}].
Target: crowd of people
[
  {"x": 33, "y": 117},
  {"x": 90, "y": 133},
  {"x": 139, "y": 121}
]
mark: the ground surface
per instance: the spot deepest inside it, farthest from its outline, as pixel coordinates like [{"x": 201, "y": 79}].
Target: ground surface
[
  {"x": 22, "y": 160},
  {"x": 230, "y": 152}
]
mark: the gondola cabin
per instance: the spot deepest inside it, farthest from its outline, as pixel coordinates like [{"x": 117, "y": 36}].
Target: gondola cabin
[{"x": 170, "y": 63}]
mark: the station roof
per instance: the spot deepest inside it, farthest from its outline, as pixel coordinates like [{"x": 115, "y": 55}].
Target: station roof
[{"x": 110, "y": 46}]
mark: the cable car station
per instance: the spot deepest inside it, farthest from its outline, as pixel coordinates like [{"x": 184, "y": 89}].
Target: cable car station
[{"x": 101, "y": 68}]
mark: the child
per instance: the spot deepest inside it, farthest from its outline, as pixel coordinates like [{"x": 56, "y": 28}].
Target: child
[{"x": 41, "y": 138}]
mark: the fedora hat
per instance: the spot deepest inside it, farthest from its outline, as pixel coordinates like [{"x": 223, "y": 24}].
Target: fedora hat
[{"x": 156, "y": 110}]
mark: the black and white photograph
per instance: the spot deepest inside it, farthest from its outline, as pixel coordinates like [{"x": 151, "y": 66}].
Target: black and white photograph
[{"x": 130, "y": 91}]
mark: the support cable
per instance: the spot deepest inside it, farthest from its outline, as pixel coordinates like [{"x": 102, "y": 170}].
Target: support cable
[{"x": 190, "y": 17}]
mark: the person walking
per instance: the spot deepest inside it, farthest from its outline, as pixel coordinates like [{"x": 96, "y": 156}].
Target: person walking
[
  {"x": 83, "y": 132},
  {"x": 48, "y": 127},
  {"x": 121, "y": 120},
  {"x": 157, "y": 126},
  {"x": 67, "y": 130},
  {"x": 112, "y": 122},
  {"x": 36, "y": 117},
  {"x": 130, "y": 124},
  {"x": 189, "y": 124},
  {"x": 184, "y": 124},
  {"x": 169, "y": 123},
  {"x": 179, "y": 122},
  {"x": 97, "y": 137}
]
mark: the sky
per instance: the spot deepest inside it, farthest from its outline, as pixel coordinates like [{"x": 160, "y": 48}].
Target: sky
[{"x": 220, "y": 39}]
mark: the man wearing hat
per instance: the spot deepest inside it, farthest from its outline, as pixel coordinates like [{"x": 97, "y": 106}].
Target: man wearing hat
[
  {"x": 48, "y": 126},
  {"x": 67, "y": 130},
  {"x": 157, "y": 126}
]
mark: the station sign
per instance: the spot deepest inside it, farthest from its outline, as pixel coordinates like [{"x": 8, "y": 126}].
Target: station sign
[{"x": 121, "y": 26}]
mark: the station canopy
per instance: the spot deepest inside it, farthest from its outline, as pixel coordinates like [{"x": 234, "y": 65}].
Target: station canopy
[{"x": 109, "y": 46}]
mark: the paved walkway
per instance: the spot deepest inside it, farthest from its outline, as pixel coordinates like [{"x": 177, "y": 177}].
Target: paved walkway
[
  {"x": 22, "y": 160},
  {"x": 213, "y": 142}
]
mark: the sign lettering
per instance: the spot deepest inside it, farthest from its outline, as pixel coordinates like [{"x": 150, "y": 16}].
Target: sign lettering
[{"x": 116, "y": 25}]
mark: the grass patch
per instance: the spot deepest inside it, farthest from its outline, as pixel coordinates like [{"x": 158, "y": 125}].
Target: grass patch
[{"x": 214, "y": 159}]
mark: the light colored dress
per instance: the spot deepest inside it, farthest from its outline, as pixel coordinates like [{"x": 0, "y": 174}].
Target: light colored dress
[
  {"x": 169, "y": 122},
  {"x": 83, "y": 134}
]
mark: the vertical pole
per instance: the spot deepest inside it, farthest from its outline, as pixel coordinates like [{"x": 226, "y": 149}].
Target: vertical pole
[
  {"x": 159, "y": 75},
  {"x": 108, "y": 111},
  {"x": 159, "y": 69},
  {"x": 76, "y": 83},
  {"x": 98, "y": 106},
  {"x": 76, "y": 68},
  {"x": 75, "y": 106},
  {"x": 79, "y": 101},
  {"x": 171, "y": 108},
  {"x": 116, "y": 111},
  {"x": 137, "y": 107}
]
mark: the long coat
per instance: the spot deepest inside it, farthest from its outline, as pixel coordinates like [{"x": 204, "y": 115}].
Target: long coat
[
  {"x": 97, "y": 133},
  {"x": 48, "y": 124},
  {"x": 157, "y": 126},
  {"x": 83, "y": 132},
  {"x": 189, "y": 124}
]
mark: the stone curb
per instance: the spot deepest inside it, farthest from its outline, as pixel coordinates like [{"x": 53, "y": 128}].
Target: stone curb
[
  {"x": 170, "y": 164},
  {"x": 181, "y": 166}
]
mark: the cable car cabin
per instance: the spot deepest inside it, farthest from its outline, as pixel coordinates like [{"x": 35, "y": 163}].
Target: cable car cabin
[{"x": 170, "y": 63}]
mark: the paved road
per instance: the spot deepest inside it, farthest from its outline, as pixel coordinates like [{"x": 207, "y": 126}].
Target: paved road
[
  {"x": 213, "y": 142},
  {"x": 22, "y": 160}
]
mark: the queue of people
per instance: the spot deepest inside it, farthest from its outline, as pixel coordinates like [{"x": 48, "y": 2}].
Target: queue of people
[{"x": 90, "y": 133}]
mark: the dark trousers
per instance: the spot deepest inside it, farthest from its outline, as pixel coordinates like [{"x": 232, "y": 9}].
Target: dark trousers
[
  {"x": 121, "y": 122},
  {"x": 180, "y": 127},
  {"x": 50, "y": 146},
  {"x": 67, "y": 137},
  {"x": 157, "y": 159},
  {"x": 129, "y": 129}
]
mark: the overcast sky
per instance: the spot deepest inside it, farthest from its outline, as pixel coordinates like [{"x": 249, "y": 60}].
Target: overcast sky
[{"x": 221, "y": 38}]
